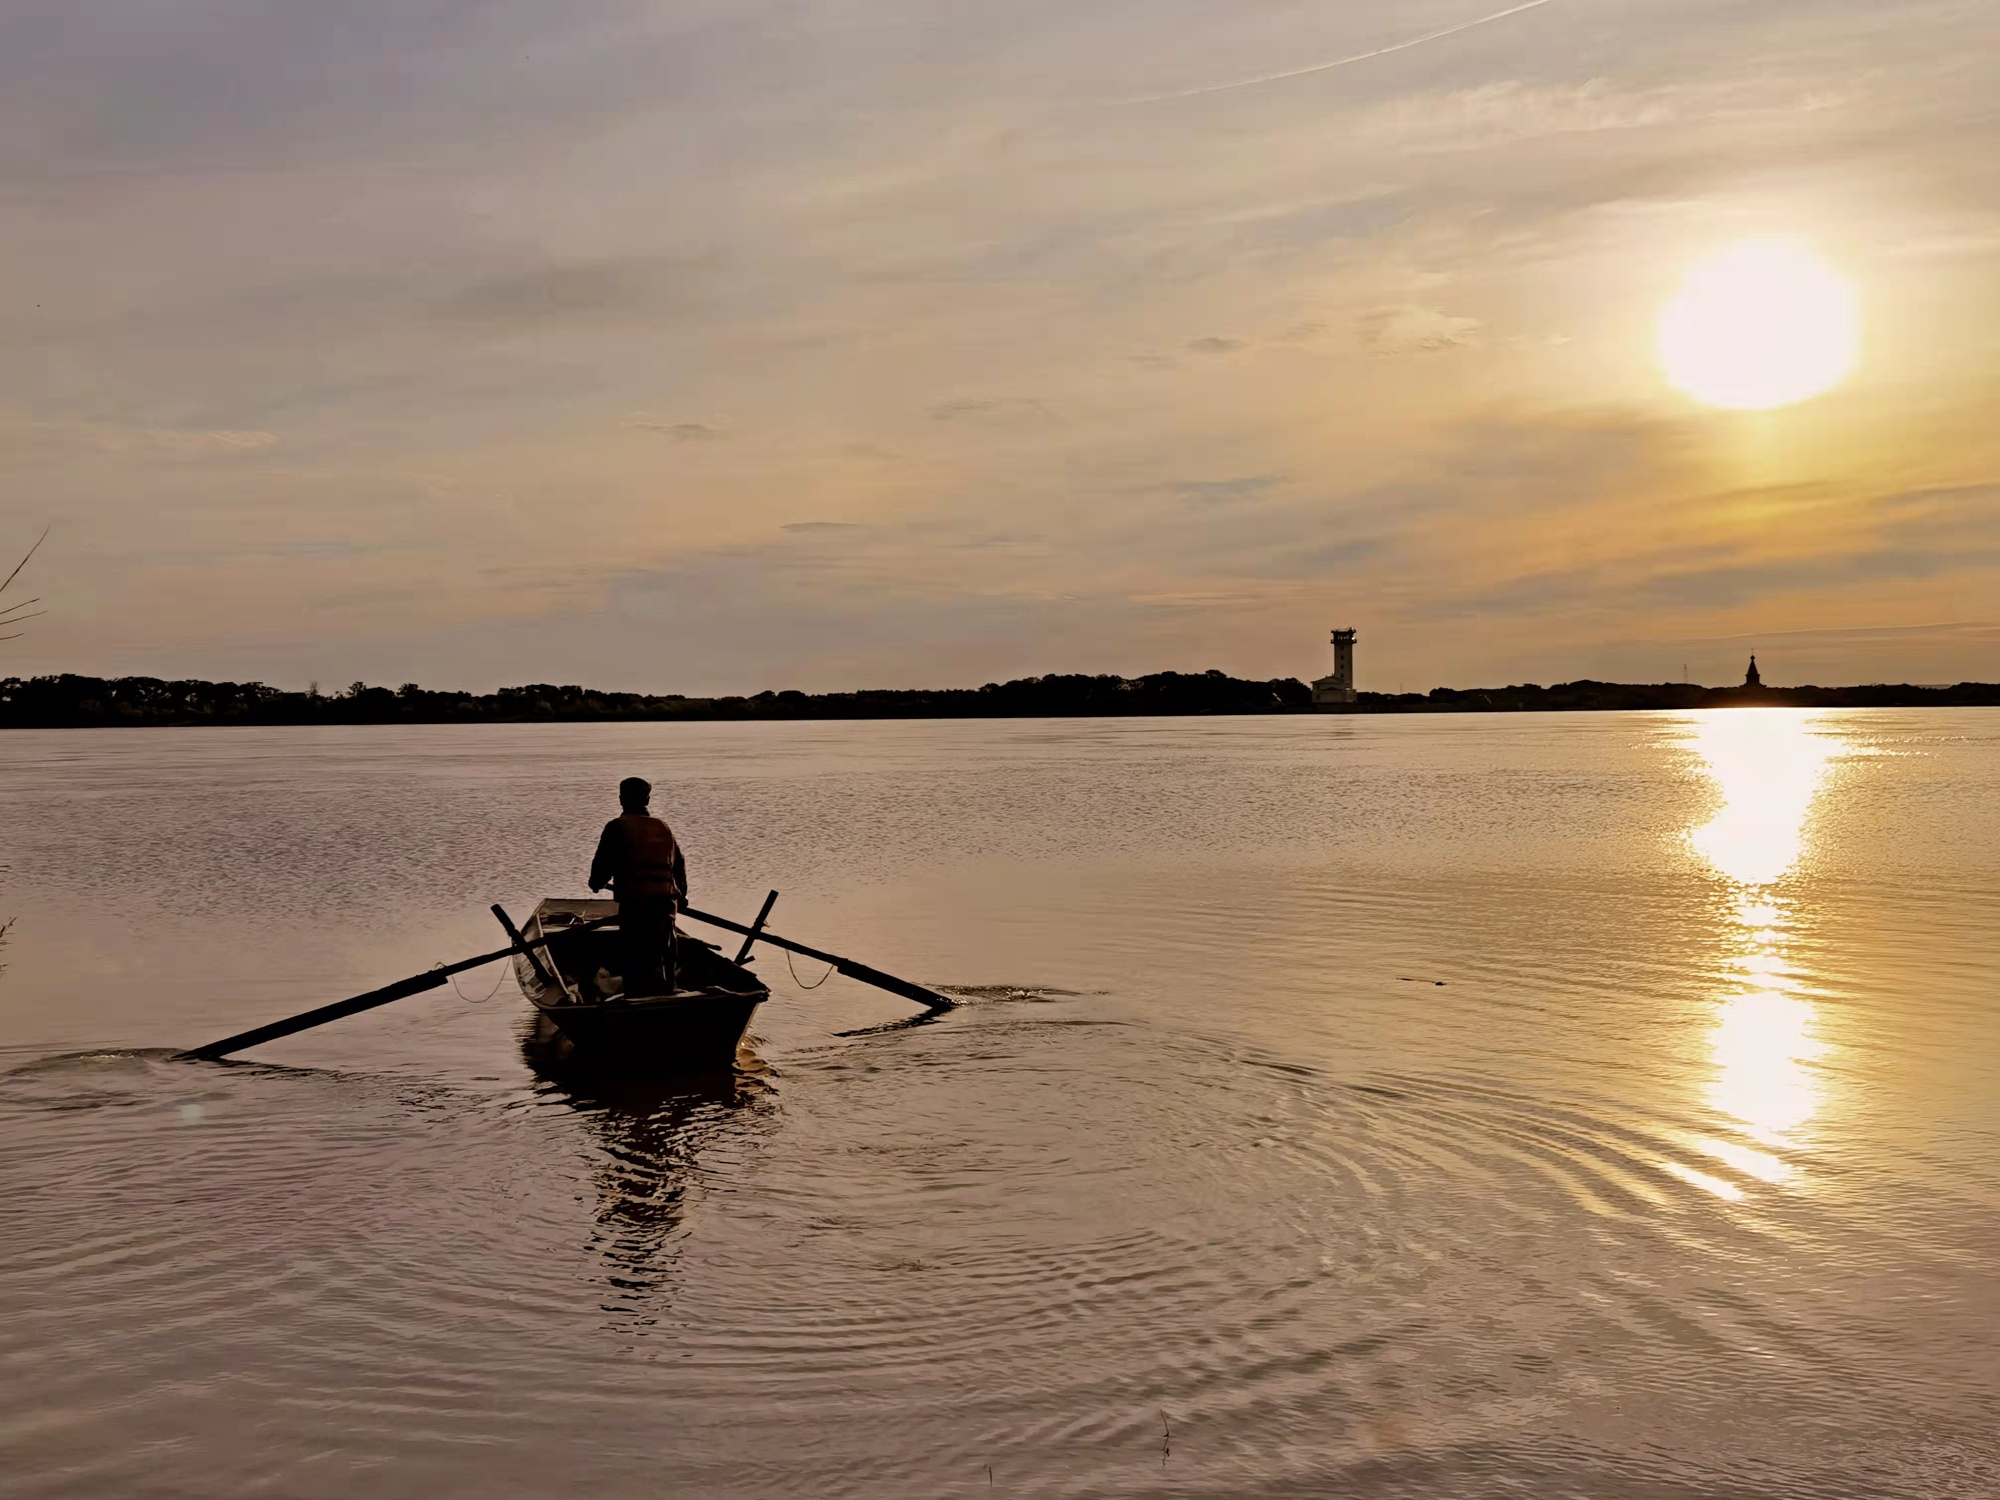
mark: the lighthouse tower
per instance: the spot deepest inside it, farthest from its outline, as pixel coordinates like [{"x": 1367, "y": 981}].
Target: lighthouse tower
[{"x": 1331, "y": 692}]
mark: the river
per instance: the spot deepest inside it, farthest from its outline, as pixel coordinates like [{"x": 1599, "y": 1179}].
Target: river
[{"x": 1599, "y": 1105}]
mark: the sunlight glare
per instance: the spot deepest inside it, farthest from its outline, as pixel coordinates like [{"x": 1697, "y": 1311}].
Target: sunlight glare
[
  {"x": 1760, "y": 324},
  {"x": 1769, "y": 766},
  {"x": 1763, "y": 1042}
]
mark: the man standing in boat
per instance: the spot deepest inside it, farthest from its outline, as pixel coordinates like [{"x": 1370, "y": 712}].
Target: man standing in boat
[{"x": 639, "y": 858}]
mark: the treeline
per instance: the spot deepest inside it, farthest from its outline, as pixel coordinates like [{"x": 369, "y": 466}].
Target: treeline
[
  {"x": 1588, "y": 696},
  {"x": 72, "y": 702}
]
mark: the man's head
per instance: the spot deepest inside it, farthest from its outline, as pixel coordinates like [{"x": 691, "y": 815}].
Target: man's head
[{"x": 634, "y": 793}]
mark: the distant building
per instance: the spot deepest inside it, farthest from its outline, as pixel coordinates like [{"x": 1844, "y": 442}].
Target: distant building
[
  {"x": 1339, "y": 688},
  {"x": 1753, "y": 677}
]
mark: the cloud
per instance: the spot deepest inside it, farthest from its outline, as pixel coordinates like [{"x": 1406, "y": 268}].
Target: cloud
[
  {"x": 114, "y": 437},
  {"x": 1508, "y": 111},
  {"x": 1349, "y": 59},
  {"x": 820, "y": 526},
  {"x": 1342, "y": 558},
  {"x": 579, "y": 291},
  {"x": 1978, "y": 630},
  {"x": 1903, "y": 537},
  {"x": 1214, "y": 345},
  {"x": 1415, "y": 330},
  {"x": 1224, "y": 491},
  {"x": 1005, "y": 410},
  {"x": 681, "y": 432},
  {"x": 1751, "y": 582},
  {"x": 1953, "y": 518}
]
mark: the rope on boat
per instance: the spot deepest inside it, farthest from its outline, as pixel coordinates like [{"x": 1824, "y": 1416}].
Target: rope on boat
[
  {"x": 800, "y": 982},
  {"x": 505, "y": 970}
]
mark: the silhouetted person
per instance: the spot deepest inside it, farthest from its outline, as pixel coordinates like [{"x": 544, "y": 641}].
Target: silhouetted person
[{"x": 639, "y": 858}]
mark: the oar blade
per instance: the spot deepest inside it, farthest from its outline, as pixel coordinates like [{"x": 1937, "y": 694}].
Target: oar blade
[{"x": 922, "y": 994}]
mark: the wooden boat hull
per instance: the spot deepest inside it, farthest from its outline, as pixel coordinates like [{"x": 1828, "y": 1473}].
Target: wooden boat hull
[
  {"x": 684, "y": 1034},
  {"x": 695, "y": 1030}
]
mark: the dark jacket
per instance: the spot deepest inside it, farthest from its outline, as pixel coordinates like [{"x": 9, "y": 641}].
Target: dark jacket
[{"x": 638, "y": 856}]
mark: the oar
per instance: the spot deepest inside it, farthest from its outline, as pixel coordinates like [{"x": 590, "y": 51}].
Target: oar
[
  {"x": 917, "y": 992},
  {"x": 402, "y": 989}
]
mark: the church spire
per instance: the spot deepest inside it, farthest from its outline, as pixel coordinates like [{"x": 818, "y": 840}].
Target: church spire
[{"x": 1753, "y": 678}]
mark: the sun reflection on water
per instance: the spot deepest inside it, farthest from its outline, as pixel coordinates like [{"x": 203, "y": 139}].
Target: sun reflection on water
[{"x": 1769, "y": 765}]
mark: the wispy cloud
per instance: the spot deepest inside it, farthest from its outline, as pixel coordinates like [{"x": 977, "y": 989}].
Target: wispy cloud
[
  {"x": 1347, "y": 61},
  {"x": 116, "y": 437},
  {"x": 587, "y": 290},
  {"x": 1225, "y": 491},
  {"x": 1010, "y": 410},
  {"x": 1415, "y": 330}
]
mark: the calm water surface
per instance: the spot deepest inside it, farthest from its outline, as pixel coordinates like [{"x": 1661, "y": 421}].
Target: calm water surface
[{"x": 1543, "y": 1105}]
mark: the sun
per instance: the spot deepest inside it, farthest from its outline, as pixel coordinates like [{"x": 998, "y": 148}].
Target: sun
[{"x": 1760, "y": 324}]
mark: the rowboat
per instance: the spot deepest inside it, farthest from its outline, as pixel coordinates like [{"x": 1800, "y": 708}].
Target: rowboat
[
  {"x": 563, "y": 962},
  {"x": 583, "y": 1016}
]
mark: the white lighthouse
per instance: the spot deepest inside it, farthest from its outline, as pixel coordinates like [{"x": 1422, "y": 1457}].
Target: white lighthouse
[{"x": 1332, "y": 691}]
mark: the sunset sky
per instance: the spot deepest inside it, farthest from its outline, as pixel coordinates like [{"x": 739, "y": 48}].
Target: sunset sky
[{"x": 717, "y": 345}]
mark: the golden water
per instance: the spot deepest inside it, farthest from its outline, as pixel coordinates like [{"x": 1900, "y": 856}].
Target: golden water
[{"x": 1600, "y": 1105}]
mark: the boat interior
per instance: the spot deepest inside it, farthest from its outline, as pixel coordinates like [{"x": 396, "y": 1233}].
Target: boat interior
[{"x": 586, "y": 966}]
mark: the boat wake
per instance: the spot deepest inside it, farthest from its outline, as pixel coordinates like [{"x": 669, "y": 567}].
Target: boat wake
[
  {"x": 102, "y": 1078},
  {"x": 983, "y": 994},
  {"x": 1013, "y": 992}
]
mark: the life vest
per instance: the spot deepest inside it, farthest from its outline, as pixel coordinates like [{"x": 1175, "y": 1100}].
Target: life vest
[{"x": 650, "y": 855}]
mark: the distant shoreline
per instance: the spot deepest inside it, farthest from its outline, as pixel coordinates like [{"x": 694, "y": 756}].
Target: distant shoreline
[{"x": 73, "y": 702}]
